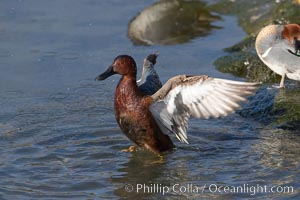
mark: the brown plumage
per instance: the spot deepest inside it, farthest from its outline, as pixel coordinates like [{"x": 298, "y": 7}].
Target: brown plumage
[
  {"x": 146, "y": 120},
  {"x": 132, "y": 109}
]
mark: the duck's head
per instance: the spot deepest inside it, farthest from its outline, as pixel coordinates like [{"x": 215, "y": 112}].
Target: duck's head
[
  {"x": 291, "y": 32},
  {"x": 152, "y": 58},
  {"x": 123, "y": 65}
]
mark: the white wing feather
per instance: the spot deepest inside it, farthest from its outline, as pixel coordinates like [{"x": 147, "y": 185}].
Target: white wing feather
[{"x": 207, "y": 97}]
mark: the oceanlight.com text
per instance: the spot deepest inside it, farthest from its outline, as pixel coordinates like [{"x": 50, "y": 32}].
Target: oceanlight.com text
[{"x": 156, "y": 188}]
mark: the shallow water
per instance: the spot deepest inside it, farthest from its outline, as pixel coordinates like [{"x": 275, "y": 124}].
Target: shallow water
[{"x": 58, "y": 135}]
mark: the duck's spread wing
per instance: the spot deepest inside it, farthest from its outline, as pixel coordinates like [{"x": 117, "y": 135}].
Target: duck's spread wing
[{"x": 184, "y": 96}]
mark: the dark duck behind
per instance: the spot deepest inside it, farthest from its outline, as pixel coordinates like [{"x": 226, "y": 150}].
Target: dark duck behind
[{"x": 149, "y": 83}]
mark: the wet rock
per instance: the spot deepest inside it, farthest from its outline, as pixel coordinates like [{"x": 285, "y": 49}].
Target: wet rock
[
  {"x": 248, "y": 65},
  {"x": 288, "y": 102},
  {"x": 278, "y": 108},
  {"x": 244, "y": 62},
  {"x": 171, "y": 22}
]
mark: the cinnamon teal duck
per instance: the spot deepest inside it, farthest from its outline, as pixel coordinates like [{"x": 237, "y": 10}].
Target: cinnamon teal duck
[{"x": 147, "y": 120}]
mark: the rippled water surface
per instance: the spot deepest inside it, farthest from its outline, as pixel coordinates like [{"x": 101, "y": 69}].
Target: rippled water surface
[{"x": 58, "y": 135}]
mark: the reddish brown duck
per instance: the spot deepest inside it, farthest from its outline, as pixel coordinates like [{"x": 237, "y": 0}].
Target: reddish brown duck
[{"x": 147, "y": 120}]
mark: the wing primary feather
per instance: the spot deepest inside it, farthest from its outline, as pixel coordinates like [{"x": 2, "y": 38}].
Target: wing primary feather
[{"x": 184, "y": 96}]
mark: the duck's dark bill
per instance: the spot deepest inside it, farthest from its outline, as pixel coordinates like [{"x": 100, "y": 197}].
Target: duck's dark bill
[
  {"x": 296, "y": 54},
  {"x": 107, "y": 73}
]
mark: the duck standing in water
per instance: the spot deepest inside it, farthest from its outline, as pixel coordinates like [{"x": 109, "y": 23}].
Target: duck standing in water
[
  {"x": 278, "y": 46},
  {"x": 147, "y": 119},
  {"x": 149, "y": 82}
]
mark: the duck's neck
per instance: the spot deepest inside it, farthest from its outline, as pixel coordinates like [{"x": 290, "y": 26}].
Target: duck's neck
[
  {"x": 127, "y": 87},
  {"x": 127, "y": 96},
  {"x": 142, "y": 79},
  {"x": 130, "y": 82}
]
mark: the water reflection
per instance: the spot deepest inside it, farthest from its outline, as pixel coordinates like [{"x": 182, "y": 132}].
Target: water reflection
[
  {"x": 142, "y": 168},
  {"x": 278, "y": 149},
  {"x": 170, "y": 22}
]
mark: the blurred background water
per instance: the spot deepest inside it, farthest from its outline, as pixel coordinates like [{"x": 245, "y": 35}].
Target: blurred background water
[{"x": 58, "y": 135}]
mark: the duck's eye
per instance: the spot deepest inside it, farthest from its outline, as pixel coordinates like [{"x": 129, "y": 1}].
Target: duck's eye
[{"x": 120, "y": 63}]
